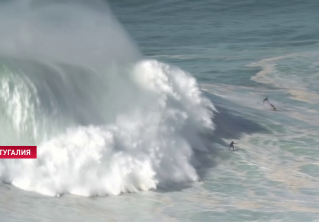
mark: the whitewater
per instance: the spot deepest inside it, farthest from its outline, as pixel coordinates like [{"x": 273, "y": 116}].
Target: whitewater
[
  {"x": 105, "y": 120},
  {"x": 133, "y": 104}
]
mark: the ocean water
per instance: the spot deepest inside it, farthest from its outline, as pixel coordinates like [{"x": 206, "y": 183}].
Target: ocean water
[{"x": 133, "y": 104}]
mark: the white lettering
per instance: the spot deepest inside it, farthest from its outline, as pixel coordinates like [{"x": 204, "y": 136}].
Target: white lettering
[
  {"x": 18, "y": 152},
  {"x": 23, "y": 152},
  {"x": 12, "y": 153},
  {"x": 4, "y": 152},
  {"x": 28, "y": 152},
  {"x": 0, "y": 152}
]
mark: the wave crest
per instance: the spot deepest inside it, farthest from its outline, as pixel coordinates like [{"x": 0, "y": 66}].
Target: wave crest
[
  {"x": 104, "y": 123},
  {"x": 144, "y": 148}
]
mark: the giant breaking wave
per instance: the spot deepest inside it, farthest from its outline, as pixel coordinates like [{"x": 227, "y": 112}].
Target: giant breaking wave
[{"x": 106, "y": 120}]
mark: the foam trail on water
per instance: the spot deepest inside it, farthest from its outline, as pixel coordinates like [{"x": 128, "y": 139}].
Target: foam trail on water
[{"x": 105, "y": 121}]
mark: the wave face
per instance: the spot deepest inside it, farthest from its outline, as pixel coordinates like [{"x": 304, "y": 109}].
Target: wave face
[{"x": 106, "y": 121}]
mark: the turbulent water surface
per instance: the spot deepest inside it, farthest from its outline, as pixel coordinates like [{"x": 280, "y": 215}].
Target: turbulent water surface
[{"x": 133, "y": 104}]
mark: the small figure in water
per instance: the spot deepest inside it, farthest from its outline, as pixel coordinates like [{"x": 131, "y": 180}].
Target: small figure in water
[
  {"x": 266, "y": 100},
  {"x": 231, "y": 145},
  {"x": 273, "y": 107}
]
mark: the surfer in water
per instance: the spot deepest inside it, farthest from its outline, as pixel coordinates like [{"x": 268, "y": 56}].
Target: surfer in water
[
  {"x": 266, "y": 100},
  {"x": 273, "y": 107},
  {"x": 231, "y": 145}
]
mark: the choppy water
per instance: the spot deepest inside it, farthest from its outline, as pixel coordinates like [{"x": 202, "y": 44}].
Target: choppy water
[{"x": 112, "y": 117}]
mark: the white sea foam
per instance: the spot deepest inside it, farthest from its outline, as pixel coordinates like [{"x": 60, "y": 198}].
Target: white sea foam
[
  {"x": 104, "y": 123},
  {"x": 143, "y": 148}
]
